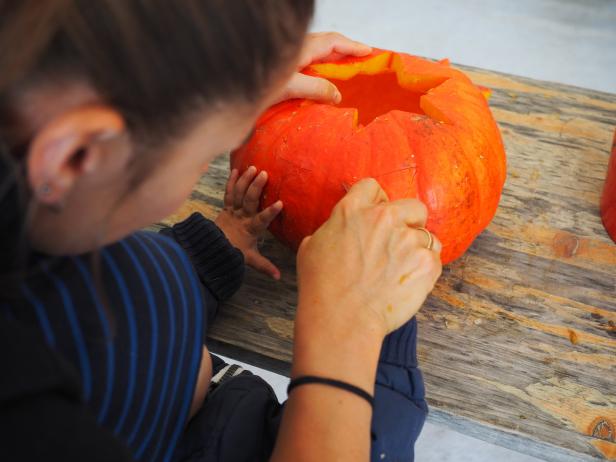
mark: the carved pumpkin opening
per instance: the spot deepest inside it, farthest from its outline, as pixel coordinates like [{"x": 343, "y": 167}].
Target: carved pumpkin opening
[{"x": 375, "y": 95}]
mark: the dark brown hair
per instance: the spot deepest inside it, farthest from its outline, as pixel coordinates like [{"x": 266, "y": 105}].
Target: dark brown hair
[{"x": 158, "y": 62}]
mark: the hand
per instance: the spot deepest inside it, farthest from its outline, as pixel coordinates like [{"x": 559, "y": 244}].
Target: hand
[
  {"x": 241, "y": 221},
  {"x": 317, "y": 46},
  {"x": 367, "y": 265},
  {"x": 362, "y": 274}
]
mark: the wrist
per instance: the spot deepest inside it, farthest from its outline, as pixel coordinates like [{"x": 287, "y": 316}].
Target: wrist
[
  {"x": 226, "y": 226},
  {"x": 335, "y": 347},
  {"x": 348, "y": 315},
  {"x": 220, "y": 221}
]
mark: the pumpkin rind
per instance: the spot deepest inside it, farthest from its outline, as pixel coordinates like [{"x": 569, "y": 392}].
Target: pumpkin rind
[{"x": 446, "y": 149}]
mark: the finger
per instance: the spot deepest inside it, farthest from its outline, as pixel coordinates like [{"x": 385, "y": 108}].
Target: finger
[
  {"x": 265, "y": 218},
  {"x": 303, "y": 245},
  {"x": 409, "y": 212},
  {"x": 423, "y": 270},
  {"x": 253, "y": 194},
  {"x": 422, "y": 240},
  {"x": 315, "y": 88},
  {"x": 228, "y": 200},
  {"x": 438, "y": 245},
  {"x": 262, "y": 264},
  {"x": 430, "y": 266},
  {"x": 366, "y": 192},
  {"x": 241, "y": 185},
  {"x": 349, "y": 47},
  {"x": 321, "y": 45}
]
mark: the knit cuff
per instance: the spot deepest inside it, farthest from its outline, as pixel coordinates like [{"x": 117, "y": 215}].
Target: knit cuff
[
  {"x": 220, "y": 266},
  {"x": 400, "y": 347}
]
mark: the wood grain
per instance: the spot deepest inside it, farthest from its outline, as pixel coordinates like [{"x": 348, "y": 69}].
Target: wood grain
[{"x": 518, "y": 341}]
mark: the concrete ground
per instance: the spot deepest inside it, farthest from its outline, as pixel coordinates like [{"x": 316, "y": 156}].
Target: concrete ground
[{"x": 567, "y": 41}]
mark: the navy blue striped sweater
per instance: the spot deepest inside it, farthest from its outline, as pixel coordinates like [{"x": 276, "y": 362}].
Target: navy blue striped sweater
[{"x": 134, "y": 332}]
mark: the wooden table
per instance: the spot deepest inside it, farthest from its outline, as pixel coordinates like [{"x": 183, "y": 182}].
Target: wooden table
[{"x": 518, "y": 340}]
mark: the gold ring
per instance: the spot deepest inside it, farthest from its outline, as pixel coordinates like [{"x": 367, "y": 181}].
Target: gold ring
[{"x": 430, "y": 238}]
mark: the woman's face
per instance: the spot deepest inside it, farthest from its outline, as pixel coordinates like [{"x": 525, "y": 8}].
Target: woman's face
[
  {"x": 99, "y": 202},
  {"x": 171, "y": 181}
]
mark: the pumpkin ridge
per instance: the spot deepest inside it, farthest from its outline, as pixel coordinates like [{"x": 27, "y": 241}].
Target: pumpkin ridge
[
  {"x": 484, "y": 156},
  {"x": 442, "y": 161},
  {"x": 396, "y": 118},
  {"x": 290, "y": 119}
]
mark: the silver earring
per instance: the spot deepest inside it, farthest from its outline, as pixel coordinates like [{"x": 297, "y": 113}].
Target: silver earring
[{"x": 44, "y": 190}]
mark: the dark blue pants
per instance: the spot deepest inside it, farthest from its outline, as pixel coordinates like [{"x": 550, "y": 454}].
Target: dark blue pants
[
  {"x": 400, "y": 408},
  {"x": 239, "y": 420}
]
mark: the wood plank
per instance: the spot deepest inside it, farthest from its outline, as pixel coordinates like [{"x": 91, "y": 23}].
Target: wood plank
[{"x": 518, "y": 341}]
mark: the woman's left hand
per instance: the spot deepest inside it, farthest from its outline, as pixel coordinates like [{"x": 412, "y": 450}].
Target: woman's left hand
[
  {"x": 241, "y": 220},
  {"x": 317, "y": 46}
]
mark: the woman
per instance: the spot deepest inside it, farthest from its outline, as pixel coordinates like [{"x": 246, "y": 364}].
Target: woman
[{"x": 109, "y": 113}]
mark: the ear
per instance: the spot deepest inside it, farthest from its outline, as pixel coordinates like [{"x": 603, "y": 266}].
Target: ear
[{"x": 67, "y": 147}]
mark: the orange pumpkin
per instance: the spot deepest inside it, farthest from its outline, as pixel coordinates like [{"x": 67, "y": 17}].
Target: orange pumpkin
[{"x": 421, "y": 128}]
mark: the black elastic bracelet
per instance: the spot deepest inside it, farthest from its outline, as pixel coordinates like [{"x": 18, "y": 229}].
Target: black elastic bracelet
[{"x": 306, "y": 379}]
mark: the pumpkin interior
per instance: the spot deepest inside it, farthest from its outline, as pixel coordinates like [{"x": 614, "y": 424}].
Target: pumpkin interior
[{"x": 375, "y": 95}]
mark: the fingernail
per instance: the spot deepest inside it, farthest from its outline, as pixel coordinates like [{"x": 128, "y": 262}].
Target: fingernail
[{"x": 337, "y": 97}]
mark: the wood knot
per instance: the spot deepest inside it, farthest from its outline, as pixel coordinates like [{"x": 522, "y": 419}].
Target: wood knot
[
  {"x": 573, "y": 337},
  {"x": 565, "y": 245},
  {"x": 283, "y": 328},
  {"x": 603, "y": 429}
]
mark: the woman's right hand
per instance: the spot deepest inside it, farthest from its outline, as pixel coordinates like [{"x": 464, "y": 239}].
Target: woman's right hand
[
  {"x": 367, "y": 265},
  {"x": 361, "y": 275}
]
